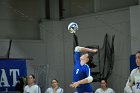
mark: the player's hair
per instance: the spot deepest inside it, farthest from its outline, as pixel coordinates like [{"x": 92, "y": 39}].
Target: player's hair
[
  {"x": 32, "y": 76},
  {"x": 138, "y": 52},
  {"x": 90, "y": 57},
  {"x": 90, "y": 63},
  {"x": 90, "y": 54},
  {"x": 104, "y": 80},
  {"x": 55, "y": 80}
]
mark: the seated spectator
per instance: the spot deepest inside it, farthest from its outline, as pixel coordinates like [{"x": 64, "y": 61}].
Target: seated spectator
[
  {"x": 21, "y": 83},
  {"x": 54, "y": 88},
  {"x": 104, "y": 88},
  {"x": 31, "y": 87},
  {"x": 133, "y": 82}
]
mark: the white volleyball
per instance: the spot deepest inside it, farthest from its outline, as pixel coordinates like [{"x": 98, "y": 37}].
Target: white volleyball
[{"x": 72, "y": 27}]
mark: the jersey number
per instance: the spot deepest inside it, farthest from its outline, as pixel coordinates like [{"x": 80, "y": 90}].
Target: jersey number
[
  {"x": 138, "y": 85},
  {"x": 77, "y": 71}
]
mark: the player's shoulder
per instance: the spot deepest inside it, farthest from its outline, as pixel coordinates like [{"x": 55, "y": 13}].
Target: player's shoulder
[
  {"x": 134, "y": 70},
  {"x": 110, "y": 89},
  {"x": 98, "y": 90},
  {"x": 86, "y": 66},
  {"x": 26, "y": 86},
  {"x": 60, "y": 89},
  {"x": 49, "y": 89},
  {"x": 35, "y": 86}
]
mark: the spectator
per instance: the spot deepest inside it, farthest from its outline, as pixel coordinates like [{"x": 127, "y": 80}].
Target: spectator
[
  {"x": 104, "y": 88},
  {"x": 54, "y": 88},
  {"x": 31, "y": 87},
  {"x": 133, "y": 82}
]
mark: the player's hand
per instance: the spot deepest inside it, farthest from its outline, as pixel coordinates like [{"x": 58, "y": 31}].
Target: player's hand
[
  {"x": 94, "y": 50},
  {"x": 74, "y": 85},
  {"x": 71, "y": 85}
]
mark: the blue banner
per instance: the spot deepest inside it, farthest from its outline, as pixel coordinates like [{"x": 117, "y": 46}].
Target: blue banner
[{"x": 10, "y": 71}]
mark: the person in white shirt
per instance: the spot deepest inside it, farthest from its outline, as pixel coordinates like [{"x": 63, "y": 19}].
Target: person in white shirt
[
  {"x": 54, "y": 88},
  {"x": 133, "y": 82},
  {"x": 31, "y": 87},
  {"x": 104, "y": 88}
]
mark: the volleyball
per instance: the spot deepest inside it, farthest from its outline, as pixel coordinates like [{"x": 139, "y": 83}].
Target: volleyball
[{"x": 72, "y": 27}]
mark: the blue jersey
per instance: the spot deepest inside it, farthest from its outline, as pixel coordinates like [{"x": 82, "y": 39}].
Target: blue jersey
[{"x": 81, "y": 72}]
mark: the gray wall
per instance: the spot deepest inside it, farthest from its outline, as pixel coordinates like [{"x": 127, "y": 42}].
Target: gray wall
[
  {"x": 81, "y": 7},
  {"x": 32, "y": 50},
  {"x": 135, "y": 28},
  {"x": 19, "y": 19}
]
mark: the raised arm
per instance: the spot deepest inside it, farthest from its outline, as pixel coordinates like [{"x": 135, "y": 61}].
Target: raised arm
[{"x": 83, "y": 49}]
